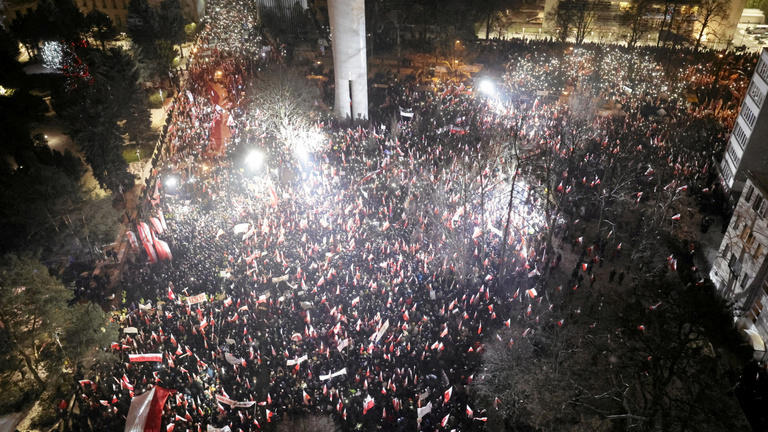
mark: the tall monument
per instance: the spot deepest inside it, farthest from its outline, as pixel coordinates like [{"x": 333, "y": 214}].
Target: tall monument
[{"x": 347, "y": 18}]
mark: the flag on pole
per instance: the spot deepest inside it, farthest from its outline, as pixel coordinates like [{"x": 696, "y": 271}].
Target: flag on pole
[
  {"x": 447, "y": 395},
  {"x": 146, "y": 410}
]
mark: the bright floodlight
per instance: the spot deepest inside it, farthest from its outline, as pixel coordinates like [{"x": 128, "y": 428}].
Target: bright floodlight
[
  {"x": 486, "y": 87},
  {"x": 301, "y": 151},
  {"x": 171, "y": 182},
  {"x": 254, "y": 160}
]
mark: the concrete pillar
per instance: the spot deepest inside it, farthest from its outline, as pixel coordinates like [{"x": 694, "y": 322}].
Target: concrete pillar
[{"x": 347, "y": 18}]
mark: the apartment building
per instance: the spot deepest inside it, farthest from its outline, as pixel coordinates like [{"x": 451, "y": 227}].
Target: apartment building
[
  {"x": 747, "y": 148},
  {"x": 740, "y": 270}
]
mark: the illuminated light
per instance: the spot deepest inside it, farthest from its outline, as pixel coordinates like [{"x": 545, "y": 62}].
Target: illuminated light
[
  {"x": 486, "y": 87},
  {"x": 6, "y": 91},
  {"x": 171, "y": 182},
  {"x": 52, "y": 54},
  {"x": 254, "y": 160},
  {"x": 301, "y": 152}
]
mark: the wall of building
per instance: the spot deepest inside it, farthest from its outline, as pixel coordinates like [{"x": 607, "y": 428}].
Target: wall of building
[
  {"x": 740, "y": 271},
  {"x": 748, "y": 144}
]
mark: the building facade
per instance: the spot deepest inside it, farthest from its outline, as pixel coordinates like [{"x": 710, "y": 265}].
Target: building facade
[
  {"x": 747, "y": 148},
  {"x": 740, "y": 270},
  {"x": 607, "y": 25}
]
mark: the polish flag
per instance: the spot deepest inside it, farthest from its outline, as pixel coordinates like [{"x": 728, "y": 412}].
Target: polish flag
[
  {"x": 269, "y": 416},
  {"x": 470, "y": 413},
  {"x": 307, "y": 399},
  {"x": 531, "y": 292},
  {"x": 447, "y": 395},
  {"x": 444, "y": 421},
  {"x": 368, "y": 403},
  {"x": 145, "y": 413},
  {"x": 676, "y": 217},
  {"x": 155, "y": 357}
]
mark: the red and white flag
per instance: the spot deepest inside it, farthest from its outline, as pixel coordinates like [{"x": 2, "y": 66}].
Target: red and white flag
[
  {"x": 470, "y": 413},
  {"x": 154, "y": 357},
  {"x": 368, "y": 403},
  {"x": 444, "y": 421},
  {"x": 146, "y": 410},
  {"x": 447, "y": 395}
]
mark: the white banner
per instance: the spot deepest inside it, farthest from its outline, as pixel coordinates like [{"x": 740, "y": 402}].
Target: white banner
[
  {"x": 343, "y": 344},
  {"x": 376, "y": 336},
  {"x": 333, "y": 375},
  {"x": 234, "y": 404},
  {"x": 241, "y": 228},
  {"x": 421, "y": 412},
  {"x": 195, "y": 299},
  {"x": 299, "y": 360},
  {"x": 232, "y": 359}
]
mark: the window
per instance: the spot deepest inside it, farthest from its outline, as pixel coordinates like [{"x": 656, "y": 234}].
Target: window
[
  {"x": 739, "y": 134},
  {"x": 734, "y": 157},
  {"x": 750, "y": 239},
  {"x": 756, "y": 309},
  {"x": 758, "y": 203},
  {"x": 726, "y": 250},
  {"x": 761, "y": 210},
  {"x": 757, "y": 96},
  {"x": 745, "y": 233},
  {"x": 758, "y": 251},
  {"x": 747, "y": 114},
  {"x": 762, "y": 70},
  {"x": 744, "y": 281},
  {"x": 726, "y": 171},
  {"x": 748, "y": 196}
]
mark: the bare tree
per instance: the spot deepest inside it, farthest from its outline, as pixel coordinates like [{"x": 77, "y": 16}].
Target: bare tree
[
  {"x": 584, "y": 13},
  {"x": 710, "y": 12},
  {"x": 635, "y": 20},
  {"x": 562, "y": 20},
  {"x": 283, "y": 100}
]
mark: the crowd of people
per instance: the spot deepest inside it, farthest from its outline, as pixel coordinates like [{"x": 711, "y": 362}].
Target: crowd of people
[{"x": 362, "y": 281}]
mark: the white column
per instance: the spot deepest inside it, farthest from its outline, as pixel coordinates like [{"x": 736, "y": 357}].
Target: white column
[{"x": 347, "y": 18}]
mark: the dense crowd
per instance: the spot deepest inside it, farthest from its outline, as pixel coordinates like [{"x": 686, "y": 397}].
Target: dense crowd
[{"x": 363, "y": 281}]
